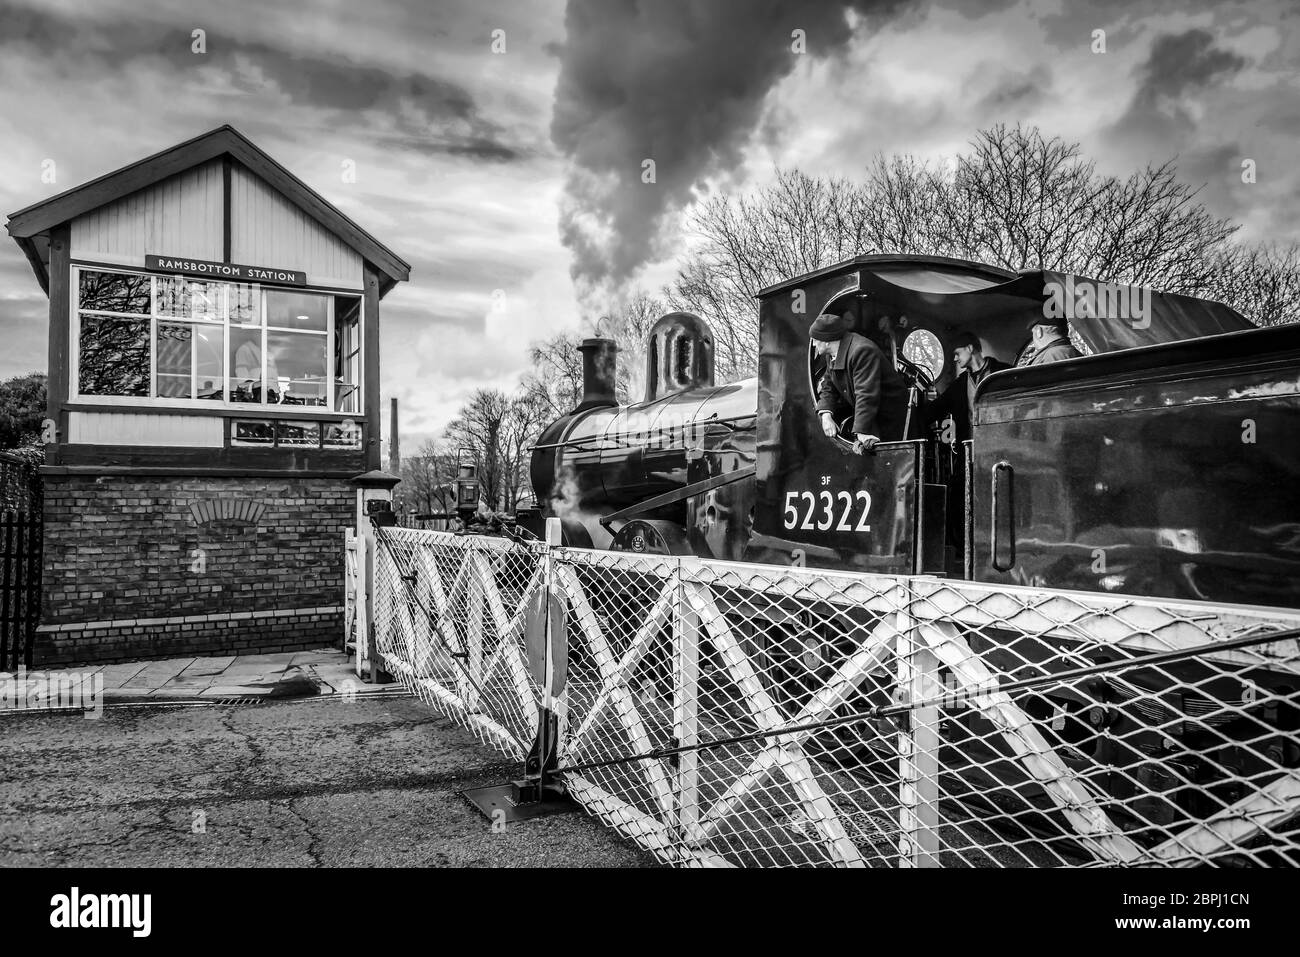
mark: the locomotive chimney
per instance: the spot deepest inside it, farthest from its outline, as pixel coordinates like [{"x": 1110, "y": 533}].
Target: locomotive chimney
[{"x": 599, "y": 364}]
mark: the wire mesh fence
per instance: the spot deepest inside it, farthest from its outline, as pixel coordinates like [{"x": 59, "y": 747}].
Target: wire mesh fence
[
  {"x": 448, "y": 622},
  {"x": 749, "y": 715}
]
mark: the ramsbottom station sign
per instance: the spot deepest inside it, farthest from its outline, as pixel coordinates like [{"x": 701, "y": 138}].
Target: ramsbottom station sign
[{"x": 202, "y": 267}]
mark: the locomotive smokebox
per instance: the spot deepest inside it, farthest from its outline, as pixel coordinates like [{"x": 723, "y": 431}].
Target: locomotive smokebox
[
  {"x": 599, "y": 365},
  {"x": 679, "y": 355}
]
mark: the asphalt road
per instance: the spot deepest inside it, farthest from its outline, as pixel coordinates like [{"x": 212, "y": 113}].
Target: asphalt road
[{"x": 297, "y": 783}]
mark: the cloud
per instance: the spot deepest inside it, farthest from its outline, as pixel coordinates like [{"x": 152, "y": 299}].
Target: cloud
[
  {"x": 679, "y": 84},
  {"x": 431, "y": 113}
]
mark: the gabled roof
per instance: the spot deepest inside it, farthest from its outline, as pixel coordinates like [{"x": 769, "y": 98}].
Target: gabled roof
[{"x": 30, "y": 226}]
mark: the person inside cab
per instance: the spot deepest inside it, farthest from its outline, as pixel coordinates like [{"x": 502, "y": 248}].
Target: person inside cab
[
  {"x": 958, "y": 400},
  {"x": 860, "y": 384},
  {"x": 1049, "y": 342}
]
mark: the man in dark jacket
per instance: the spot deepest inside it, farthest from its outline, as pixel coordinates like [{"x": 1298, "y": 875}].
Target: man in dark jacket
[
  {"x": 859, "y": 381},
  {"x": 1051, "y": 342},
  {"x": 958, "y": 400}
]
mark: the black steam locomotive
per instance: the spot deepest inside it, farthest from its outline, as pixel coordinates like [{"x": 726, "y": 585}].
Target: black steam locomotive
[{"x": 1164, "y": 463}]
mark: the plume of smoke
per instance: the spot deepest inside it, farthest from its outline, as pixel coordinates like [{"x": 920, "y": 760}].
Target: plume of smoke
[
  {"x": 566, "y": 504},
  {"x": 678, "y": 82}
]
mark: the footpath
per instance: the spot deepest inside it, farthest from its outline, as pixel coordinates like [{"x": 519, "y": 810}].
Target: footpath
[{"x": 325, "y": 671}]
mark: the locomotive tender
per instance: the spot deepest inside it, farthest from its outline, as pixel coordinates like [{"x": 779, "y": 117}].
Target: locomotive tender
[{"x": 1163, "y": 464}]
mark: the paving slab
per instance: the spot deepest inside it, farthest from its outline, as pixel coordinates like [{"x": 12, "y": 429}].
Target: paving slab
[
  {"x": 323, "y": 656},
  {"x": 279, "y": 657},
  {"x": 323, "y": 671},
  {"x": 208, "y": 666},
  {"x": 158, "y": 673},
  {"x": 118, "y": 674}
]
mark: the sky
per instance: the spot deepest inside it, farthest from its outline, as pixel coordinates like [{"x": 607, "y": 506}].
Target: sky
[{"x": 500, "y": 147}]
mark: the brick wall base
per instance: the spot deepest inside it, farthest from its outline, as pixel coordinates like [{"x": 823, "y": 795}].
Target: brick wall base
[
  {"x": 296, "y": 629},
  {"x": 157, "y": 567}
]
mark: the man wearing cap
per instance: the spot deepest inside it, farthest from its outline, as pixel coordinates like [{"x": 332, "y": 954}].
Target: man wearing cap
[
  {"x": 958, "y": 400},
  {"x": 858, "y": 379},
  {"x": 1051, "y": 342}
]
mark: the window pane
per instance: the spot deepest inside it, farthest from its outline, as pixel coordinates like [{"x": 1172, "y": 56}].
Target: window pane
[
  {"x": 297, "y": 310},
  {"x": 295, "y": 368},
  {"x": 297, "y": 433},
  {"x": 114, "y": 356},
  {"x": 252, "y": 433},
  {"x": 245, "y": 304},
  {"x": 113, "y": 292},
  {"x": 175, "y": 352},
  {"x": 179, "y": 344},
  {"x": 181, "y": 298},
  {"x": 347, "y": 355},
  {"x": 207, "y": 361},
  {"x": 245, "y": 365},
  {"x": 342, "y": 435}
]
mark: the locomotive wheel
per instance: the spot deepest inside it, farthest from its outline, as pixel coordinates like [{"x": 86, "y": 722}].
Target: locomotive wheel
[{"x": 652, "y": 537}]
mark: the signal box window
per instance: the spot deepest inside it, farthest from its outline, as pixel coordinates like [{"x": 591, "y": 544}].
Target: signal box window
[{"x": 181, "y": 341}]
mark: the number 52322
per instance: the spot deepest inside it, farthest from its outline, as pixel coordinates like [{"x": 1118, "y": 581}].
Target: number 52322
[{"x": 807, "y": 510}]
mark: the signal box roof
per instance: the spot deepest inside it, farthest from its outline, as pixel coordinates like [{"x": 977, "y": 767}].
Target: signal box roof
[{"x": 30, "y": 226}]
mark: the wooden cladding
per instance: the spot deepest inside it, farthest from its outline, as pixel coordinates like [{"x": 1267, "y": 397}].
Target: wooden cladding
[
  {"x": 181, "y": 216},
  {"x": 266, "y": 228},
  {"x": 191, "y": 215},
  {"x": 127, "y": 428}
]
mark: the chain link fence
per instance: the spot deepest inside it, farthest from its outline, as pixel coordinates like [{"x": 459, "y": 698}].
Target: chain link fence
[
  {"x": 448, "y": 623},
  {"x": 749, "y": 715}
]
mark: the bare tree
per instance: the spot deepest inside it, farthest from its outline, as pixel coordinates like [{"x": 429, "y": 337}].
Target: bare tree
[
  {"x": 797, "y": 224},
  {"x": 529, "y": 414},
  {"x": 629, "y": 326},
  {"x": 1261, "y": 282},
  {"x": 556, "y": 379},
  {"x": 477, "y": 428},
  {"x": 1016, "y": 199},
  {"x": 428, "y": 480}
]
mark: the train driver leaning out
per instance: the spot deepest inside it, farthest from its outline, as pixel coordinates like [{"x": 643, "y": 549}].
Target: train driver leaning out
[{"x": 859, "y": 381}]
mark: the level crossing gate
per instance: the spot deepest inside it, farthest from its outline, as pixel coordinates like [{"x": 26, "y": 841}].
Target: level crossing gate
[{"x": 725, "y": 714}]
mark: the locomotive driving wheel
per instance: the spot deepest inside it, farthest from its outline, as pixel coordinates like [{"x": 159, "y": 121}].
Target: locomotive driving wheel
[{"x": 652, "y": 537}]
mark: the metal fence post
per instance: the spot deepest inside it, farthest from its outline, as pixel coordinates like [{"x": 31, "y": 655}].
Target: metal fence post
[
  {"x": 918, "y": 746},
  {"x": 540, "y": 783},
  {"x": 540, "y": 791},
  {"x": 686, "y": 704},
  {"x": 374, "y": 496},
  {"x": 549, "y": 719}
]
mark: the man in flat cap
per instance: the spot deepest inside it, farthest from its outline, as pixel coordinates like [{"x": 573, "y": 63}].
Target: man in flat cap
[
  {"x": 1051, "y": 342},
  {"x": 958, "y": 400},
  {"x": 859, "y": 380}
]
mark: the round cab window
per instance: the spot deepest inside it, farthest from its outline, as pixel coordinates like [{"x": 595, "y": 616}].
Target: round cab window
[{"x": 924, "y": 349}]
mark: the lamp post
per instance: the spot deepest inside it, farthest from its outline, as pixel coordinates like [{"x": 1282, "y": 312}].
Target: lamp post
[{"x": 466, "y": 486}]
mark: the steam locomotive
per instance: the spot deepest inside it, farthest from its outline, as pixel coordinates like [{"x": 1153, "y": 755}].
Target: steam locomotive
[{"x": 1162, "y": 463}]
